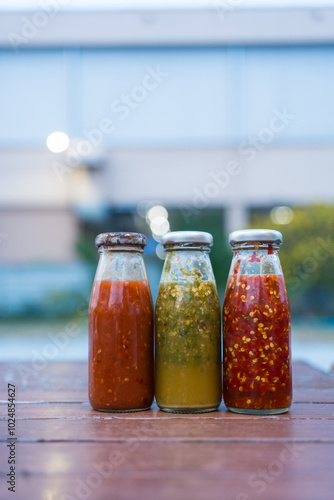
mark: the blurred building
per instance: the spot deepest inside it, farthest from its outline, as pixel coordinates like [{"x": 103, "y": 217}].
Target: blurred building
[{"x": 193, "y": 109}]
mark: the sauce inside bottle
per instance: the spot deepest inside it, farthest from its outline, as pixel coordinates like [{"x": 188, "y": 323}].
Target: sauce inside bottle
[{"x": 121, "y": 345}]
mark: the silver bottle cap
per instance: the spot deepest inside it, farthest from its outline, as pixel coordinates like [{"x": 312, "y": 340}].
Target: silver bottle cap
[
  {"x": 194, "y": 237},
  {"x": 260, "y": 235}
]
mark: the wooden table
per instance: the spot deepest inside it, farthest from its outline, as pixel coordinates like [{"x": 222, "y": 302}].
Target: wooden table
[{"x": 65, "y": 450}]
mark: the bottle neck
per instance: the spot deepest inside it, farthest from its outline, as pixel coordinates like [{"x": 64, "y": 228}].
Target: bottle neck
[
  {"x": 189, "y": 247},
  {"x": 256, "y": 246},
  {"x": 255, "y": 258},
  {"x": 121, "y": 264},
  {"x": 187, "y": 264},
  {"x": 120, "y": 248}
]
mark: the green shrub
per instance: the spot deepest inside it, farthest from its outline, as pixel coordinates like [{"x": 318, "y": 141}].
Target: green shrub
[{"x": 307, "y": 257}]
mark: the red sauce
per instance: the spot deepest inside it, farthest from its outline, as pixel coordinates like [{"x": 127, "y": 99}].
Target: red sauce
[
  {"x": 121, "y": 346},
  {"x": 256, "y": 323}
]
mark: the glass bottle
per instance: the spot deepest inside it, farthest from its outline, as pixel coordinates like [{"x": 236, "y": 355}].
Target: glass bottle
[
  {"x": 256, "y": 327},
  {"x": 188, "y": 327},
  {"x": 121, "y": 327}
]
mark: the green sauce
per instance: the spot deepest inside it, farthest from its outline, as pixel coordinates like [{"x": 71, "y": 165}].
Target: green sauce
[{"x": 188, "y": 345}]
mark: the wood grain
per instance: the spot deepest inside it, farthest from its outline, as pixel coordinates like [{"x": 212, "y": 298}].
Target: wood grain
[
  {"x": 79, "y": 410},
  {"x": 176, "y": 470},
  {"x": 62, "y": 443}
]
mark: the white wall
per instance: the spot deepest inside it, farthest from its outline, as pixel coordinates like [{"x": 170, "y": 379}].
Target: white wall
[
  {"x": 295, "y": 176},
  {"x": 216, "y": 25},
  {"x": 35, "y": 236},
  {"x": 36, "y": 206}
]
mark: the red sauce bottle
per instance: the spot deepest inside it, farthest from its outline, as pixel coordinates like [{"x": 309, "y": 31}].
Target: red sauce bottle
[
  {"x": 256, "y": 327},
  {"x": 121, "y": 327}
]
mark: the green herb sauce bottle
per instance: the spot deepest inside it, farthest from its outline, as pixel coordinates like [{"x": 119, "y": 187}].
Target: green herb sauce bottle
[{"x": 188, "y": 375}]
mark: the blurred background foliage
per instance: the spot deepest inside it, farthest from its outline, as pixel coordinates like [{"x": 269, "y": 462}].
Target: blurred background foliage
[
  {"x": 210, "y": 220},
  {"x": 306, "y": 256}
]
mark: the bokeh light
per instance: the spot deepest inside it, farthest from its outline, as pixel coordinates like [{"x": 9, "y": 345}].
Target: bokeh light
[
  {"x": 160, "y": 252},
  {"x": 281, "y": 215},
  {"x": 57, "y": 142},
  {"x": 159, "y": 225},
  {"x": 156, "y": 211}
]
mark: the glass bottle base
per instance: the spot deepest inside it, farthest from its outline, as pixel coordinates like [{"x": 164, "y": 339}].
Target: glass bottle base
[
  {"x": 246, "y": 411},
  {"x": 122, "y": 411},
  {"x": 188, "y": 410}
]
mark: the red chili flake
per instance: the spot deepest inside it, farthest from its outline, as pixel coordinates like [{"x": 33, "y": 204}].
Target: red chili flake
[
  {"x": 270, "y": 250},
  {"x": 237, "y": 267},
  {"x": 262, "y": 356},
  {"x": 254, "y": 258}
]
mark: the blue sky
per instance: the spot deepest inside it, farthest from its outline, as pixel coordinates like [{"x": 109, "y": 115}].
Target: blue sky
[{"x": 107, "y": 4}]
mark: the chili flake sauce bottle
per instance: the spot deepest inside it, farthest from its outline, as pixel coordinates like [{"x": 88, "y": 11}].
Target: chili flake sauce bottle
[
  {"x": 188, "y": 327},
  {"x": 121, "y": 327},
  {"x": 256, "y": 327}
]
